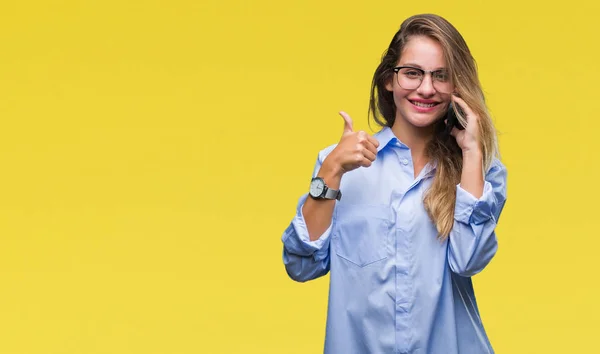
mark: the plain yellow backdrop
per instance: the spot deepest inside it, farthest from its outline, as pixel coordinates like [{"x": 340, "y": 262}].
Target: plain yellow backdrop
[{"x": 152, "y": 153}]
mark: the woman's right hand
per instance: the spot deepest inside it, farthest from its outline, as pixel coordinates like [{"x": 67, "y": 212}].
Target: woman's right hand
[{"x": 355, "y": 149}]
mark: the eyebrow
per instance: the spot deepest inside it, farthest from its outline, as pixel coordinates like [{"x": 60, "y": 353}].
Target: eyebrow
[{"x": 420, "y": 67}]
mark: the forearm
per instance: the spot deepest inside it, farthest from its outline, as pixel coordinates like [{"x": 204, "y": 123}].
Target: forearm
[
  {"x": 472, "y": 241},
  {"x": 472, "y": 173},
  {"x": 318, "y": 213}
]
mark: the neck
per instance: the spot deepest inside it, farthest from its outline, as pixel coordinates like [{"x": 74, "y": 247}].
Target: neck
[{"x": 416, "y": 138}]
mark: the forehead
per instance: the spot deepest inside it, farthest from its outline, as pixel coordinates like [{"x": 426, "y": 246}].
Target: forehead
[{"x": 423, "y": 52}]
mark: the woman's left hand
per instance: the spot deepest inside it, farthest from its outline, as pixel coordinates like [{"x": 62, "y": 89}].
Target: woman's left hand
[{"x": 468, "y": 138}]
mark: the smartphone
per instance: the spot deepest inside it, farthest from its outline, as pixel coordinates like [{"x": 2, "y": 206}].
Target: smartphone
[{"x": 452, "y": 119}]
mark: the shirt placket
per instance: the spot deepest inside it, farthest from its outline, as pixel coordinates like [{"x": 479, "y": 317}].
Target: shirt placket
[{"x": 404, "y": 231}]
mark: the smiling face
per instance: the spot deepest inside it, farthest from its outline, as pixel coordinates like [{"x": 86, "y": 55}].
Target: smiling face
[{"x": 422, "y": 106}]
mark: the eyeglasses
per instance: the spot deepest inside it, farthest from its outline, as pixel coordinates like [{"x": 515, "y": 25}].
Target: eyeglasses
[{"x": 410, "y": 78}]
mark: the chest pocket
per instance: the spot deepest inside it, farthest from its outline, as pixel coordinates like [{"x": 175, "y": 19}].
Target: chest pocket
[{"x": 363, "y": 233}]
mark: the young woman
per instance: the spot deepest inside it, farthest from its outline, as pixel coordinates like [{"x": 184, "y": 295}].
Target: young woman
[{"x": 403, "y": 219}]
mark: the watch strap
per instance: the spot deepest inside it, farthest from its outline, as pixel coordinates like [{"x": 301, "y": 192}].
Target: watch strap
[{"x": 332, "y": 194}]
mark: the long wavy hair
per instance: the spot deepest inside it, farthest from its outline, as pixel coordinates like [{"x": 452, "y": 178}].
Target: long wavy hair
[{"x": 443, "y": 151}]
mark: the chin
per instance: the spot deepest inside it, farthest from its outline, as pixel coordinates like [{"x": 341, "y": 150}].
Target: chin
[{"x": 422, "y": 121}]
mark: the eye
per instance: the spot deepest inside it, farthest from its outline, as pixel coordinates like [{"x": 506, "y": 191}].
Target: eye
[
  {"x": 412, "y": 74},
  {"x": 441, "y": 76}
]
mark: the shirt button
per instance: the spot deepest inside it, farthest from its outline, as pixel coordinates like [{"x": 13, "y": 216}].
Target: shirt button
[{"x": 405, "y": 162}]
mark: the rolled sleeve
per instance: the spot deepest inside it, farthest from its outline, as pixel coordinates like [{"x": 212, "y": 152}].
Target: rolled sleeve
[
  {"x": 471, "y": 210},
  {"x": 472, "y": 241},
  {"x": 305, "y": 259},
  {"x": 474, "y": 211}
]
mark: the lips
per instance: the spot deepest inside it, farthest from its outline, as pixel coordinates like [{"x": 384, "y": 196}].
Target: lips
[{"x": 424, "y": 106}]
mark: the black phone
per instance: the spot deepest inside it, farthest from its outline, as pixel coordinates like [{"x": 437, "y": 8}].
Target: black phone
[{"x": 452, "y": 119}]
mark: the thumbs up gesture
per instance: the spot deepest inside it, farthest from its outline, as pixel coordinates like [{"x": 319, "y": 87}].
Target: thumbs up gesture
[{"x": 355, "y": 149}]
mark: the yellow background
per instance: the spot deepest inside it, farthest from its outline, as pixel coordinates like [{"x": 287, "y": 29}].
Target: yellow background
[{"x": 152, "y": 153}]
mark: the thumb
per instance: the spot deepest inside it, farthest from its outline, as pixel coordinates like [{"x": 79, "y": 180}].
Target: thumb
[{"x": 347, "y": 122}]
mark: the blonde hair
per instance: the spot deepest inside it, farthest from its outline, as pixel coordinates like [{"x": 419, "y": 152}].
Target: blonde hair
[{"x": 442, "y": 150}]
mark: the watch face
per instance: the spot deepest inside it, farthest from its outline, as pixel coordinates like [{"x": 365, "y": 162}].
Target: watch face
[{"x": 316, "y": 187}]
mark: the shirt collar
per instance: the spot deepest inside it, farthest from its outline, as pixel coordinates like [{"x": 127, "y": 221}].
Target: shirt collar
[{"x": 386, "y": 137}]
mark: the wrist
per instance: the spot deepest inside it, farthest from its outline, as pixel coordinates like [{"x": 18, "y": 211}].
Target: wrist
[
  {"x": 472, "y": 154},
  {"x": 331, "y": 173}
]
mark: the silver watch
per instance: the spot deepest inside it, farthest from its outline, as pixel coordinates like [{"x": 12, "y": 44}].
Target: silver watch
[{"x": 319, "y": 190}]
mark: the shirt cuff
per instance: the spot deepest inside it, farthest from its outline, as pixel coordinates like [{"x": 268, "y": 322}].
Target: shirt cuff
[
  {"x": 297, "y": 240},
  {"x": 471, "y": 210}
]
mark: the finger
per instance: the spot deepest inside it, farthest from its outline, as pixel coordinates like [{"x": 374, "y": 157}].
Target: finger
[
  {"x": 454, "y": 131},
  {"x": 373, "y": 141},
  {"x": 462, "y": 104},
  {"x": 367, "y": 141},
  {"x": 347, "y": 122},
  {"x": 369, "y": 146},
  {"x": 366, "y": 162},
  {"x": 363, "y": 137},
  {"x": 369, "y": 154},
  {"x": 361, "y": 160}
]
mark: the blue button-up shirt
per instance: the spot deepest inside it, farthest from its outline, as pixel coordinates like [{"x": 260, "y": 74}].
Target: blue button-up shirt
[{"x": 394, "y": 286}]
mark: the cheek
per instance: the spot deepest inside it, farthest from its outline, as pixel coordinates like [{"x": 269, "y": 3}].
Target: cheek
[{"x": 400, "y": 96}]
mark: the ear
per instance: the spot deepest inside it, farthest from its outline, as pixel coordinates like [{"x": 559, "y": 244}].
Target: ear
[{"x": 389, "y": 85}]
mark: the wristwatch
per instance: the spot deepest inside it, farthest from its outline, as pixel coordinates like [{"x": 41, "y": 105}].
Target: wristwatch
[{"x": 319, "y": 190}]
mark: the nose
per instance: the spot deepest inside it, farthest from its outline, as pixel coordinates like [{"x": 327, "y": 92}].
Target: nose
[{"x": 426, "y": 88}]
